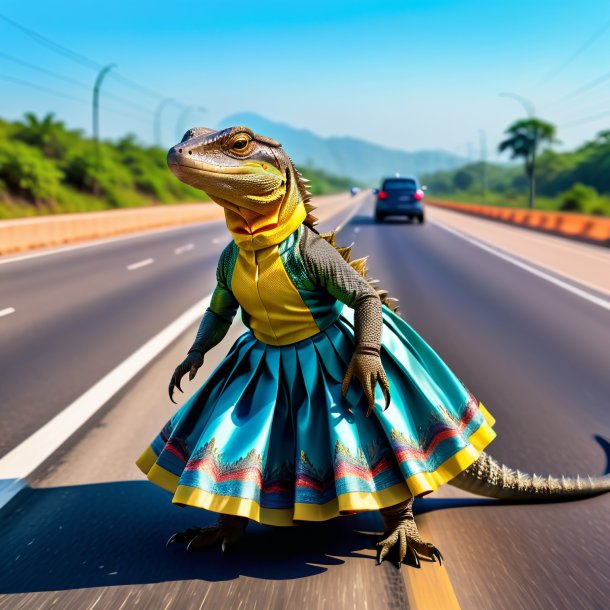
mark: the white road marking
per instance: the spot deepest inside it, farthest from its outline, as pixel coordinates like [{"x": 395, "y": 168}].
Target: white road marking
[
  {"x": 217, "y": 240},
  {"x": 183, "y": 249},
  {"x": 144, "y": 263},
  {"x": 19, "y": 463},
  {"x": 537, "y": 272},
  {"x": 101, "y": 242},
  {"x": 7, "y": 311}
]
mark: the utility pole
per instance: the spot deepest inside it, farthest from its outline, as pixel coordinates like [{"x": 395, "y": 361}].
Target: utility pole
[
  {"x": 483, "y": 144},
  {"x": 96, "y": 123}
]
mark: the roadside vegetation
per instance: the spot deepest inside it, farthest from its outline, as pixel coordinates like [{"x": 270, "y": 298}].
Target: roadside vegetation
[
  {"x": 46, "y": 168},
  {"x": 575, "y": 181}
]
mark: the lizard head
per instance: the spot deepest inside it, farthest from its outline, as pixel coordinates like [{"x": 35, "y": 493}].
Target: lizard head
[{"x": 250, "y": 176}]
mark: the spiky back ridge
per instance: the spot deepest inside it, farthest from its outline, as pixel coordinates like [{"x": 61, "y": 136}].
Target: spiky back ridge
[
  {"x": 346, "y": 252},
  {"x": 358, "y": 264}
]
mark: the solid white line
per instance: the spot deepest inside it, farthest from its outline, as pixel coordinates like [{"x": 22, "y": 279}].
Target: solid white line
[
  {"x": 537, "y": 272},
  {"x": 183, "y": 249},
  {"x": 144, "y": 263},
  {"x": 17, "y": 465},
  {"x": 7, "y": 311}
]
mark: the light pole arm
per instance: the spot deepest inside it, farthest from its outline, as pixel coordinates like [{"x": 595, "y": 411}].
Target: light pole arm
[{"x": 96, "y": 99}]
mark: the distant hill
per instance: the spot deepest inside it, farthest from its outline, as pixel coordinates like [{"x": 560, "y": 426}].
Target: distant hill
[{"x": 358, "y": 159}]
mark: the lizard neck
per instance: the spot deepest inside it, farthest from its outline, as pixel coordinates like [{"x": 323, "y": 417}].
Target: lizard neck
[{"x": 253, "y": 231}]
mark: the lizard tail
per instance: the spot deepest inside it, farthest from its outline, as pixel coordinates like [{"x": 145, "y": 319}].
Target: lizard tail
[{"x": 487, "y": 477}]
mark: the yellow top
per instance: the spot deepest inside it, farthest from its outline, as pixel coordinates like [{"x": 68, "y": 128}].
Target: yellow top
[{"x": 260, "y": 283}]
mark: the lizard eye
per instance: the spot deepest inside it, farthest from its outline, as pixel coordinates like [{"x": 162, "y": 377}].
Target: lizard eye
[{"x": 240, "y": 143}]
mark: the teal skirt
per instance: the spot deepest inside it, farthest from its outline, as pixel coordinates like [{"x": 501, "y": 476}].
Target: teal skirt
[{"x": 269, "y": 436}]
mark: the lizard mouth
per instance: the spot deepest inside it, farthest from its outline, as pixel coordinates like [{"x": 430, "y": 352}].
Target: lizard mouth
[{"x": 180, "y": 164}]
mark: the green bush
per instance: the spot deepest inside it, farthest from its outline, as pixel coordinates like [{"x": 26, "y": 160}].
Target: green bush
[
  {"x": 27, "y": 173},
  {"x": 580, "y": 198}
]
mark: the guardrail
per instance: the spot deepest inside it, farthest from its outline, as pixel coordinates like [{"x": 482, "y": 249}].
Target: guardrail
[
  {"x": 584, "y": 227},
  {"x": 46, "y": 231}
]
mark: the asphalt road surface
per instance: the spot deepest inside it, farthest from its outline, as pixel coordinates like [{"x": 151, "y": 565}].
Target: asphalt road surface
[{"x": 534, "y": 350}]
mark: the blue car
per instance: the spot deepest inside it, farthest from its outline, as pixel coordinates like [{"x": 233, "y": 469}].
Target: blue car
[{"x": 400, "y": 197}]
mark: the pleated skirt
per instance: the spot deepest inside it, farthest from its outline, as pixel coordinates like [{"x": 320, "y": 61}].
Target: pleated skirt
[{"x": 269, "y": 436}]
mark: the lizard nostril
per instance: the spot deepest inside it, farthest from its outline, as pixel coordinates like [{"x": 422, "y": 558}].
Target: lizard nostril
[
  {"x": 179, "y": 150},
  {"x": 190, "y": 152}
]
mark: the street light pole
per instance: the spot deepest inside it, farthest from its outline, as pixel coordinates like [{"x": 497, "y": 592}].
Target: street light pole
[
  {"x": 527, "y": 104},
  {"x": 96, "y": 123}
]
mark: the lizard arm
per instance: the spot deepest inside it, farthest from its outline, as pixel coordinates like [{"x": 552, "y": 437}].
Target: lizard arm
[
  {"x": 216, "y": 320},
  {"x": 327, "y": 268},
  {"x": 212, "y": 329}
]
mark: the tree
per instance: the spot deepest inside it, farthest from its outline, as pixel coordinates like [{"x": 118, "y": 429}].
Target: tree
[
  {"x": 47, "y": 134},
  {"x": 462, "y": 180},
  {"x": 524, "y": 138}
]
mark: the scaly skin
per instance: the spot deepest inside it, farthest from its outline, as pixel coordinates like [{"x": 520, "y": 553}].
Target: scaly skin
[
  {"x": 401, "y": 537},
  {"x": 265, "y": 200}
]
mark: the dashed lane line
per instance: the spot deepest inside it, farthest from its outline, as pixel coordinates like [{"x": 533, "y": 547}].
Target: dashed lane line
[
  {"x": 183, "y": 249},
  {"x": 140, "y": 264},
  {"x": 7, "y": 311}
]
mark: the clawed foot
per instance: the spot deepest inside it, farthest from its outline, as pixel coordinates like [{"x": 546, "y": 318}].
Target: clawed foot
[
  {"x": 227, "y": 532},
  {"x": 398, "y": 545},
  {"x": 402, "y": 540}
]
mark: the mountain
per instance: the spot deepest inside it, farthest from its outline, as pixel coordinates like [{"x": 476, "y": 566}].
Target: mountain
[{"x": 344, "y": 156}]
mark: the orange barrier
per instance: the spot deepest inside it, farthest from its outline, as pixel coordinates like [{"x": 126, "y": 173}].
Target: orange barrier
[
  {"x": 578, "y": 226},
  {"x": 45, "y": 231}
]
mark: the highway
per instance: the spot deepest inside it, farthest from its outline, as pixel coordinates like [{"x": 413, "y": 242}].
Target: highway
[{"x": 528, "y": 333}]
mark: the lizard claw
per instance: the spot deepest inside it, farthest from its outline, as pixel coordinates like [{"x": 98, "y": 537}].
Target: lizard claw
[
  {"x": 412, "y": 558},
  {"x": 436, "y": 554},
  {"x": 183, "y": 537}
]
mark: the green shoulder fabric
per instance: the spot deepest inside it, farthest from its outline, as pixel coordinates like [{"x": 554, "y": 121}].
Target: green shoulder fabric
[
  {"x": 223, "y": 302},
  {"x": 226, "y": 264}
]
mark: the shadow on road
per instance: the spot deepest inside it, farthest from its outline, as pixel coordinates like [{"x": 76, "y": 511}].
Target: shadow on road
[{"x": 114, "y": 534}]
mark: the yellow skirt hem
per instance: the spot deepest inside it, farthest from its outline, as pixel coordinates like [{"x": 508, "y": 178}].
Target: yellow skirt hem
[{"x": 415, "y": 485}]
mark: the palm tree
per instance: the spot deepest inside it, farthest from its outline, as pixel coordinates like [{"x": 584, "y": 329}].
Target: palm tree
[
  {"x": 47, "y": 134},
  {"x": 524, "y": 138}
]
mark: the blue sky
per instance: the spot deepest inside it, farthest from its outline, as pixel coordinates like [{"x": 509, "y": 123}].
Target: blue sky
[{"x": 410, "y": 74}]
